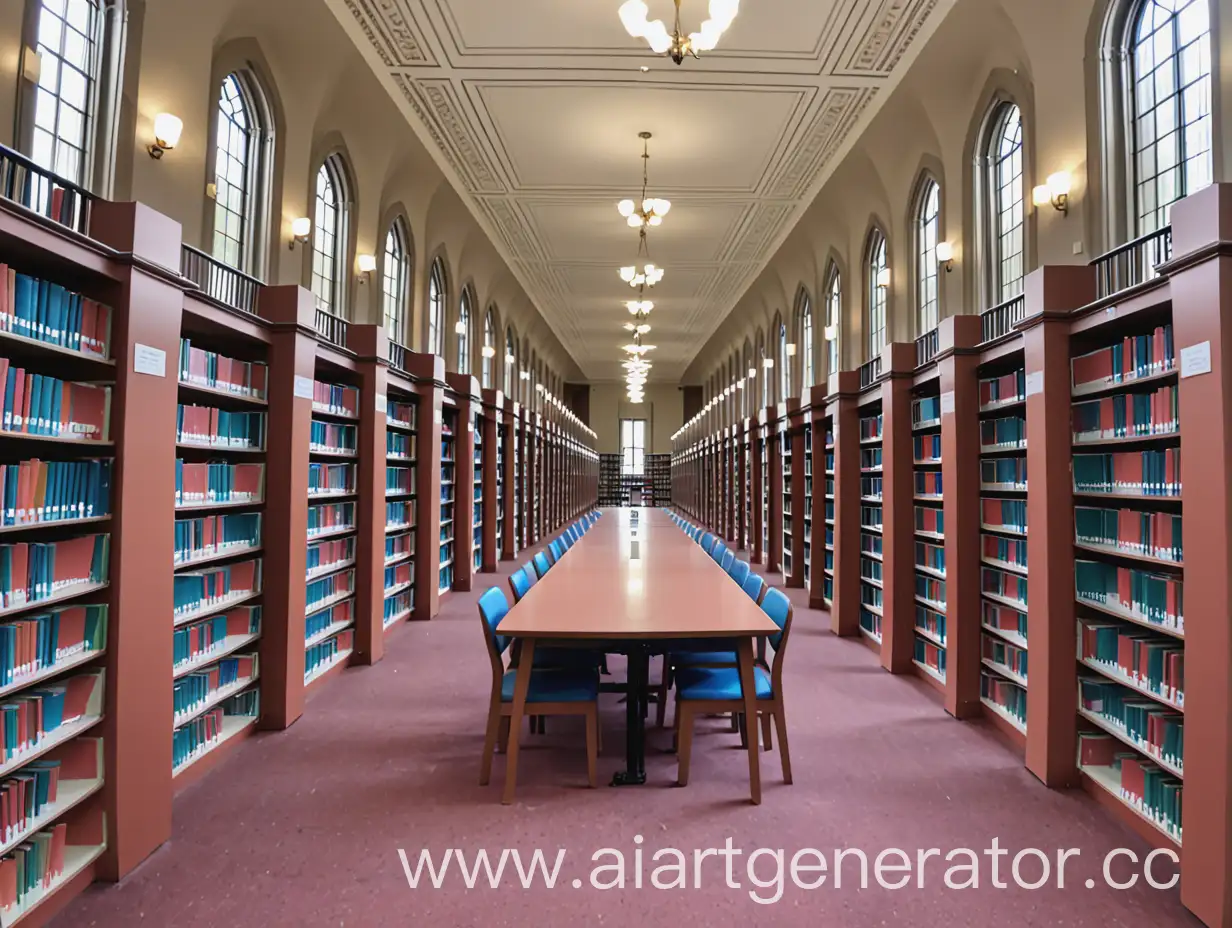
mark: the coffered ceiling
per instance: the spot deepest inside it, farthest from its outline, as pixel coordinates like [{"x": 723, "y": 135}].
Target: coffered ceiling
[{"x": 533, "y": 108}]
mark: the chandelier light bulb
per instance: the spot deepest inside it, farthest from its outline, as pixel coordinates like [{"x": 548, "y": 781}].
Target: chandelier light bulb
[
  {"x": 625, "y": 207},
  {"x": 628, "y": 273}
]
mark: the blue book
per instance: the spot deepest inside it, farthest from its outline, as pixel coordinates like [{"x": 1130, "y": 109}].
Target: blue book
[
  {"x": 24, "y": 294},
  {"x": 36, "y": 403}
]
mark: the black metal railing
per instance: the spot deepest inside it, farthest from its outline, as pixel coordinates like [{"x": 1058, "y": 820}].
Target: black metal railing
[
  {"x": 870, "y": 371},
  {"x": 331, "y": 328},
  {"x": 397, "y": 357},
  {"x": 218, "y": 281},
  {"x": 926, "y": 347},
  {"x": 1133, "y": 263},
  {"x": 1001, "y": 319},
  {"x": 46, "y": 193}
]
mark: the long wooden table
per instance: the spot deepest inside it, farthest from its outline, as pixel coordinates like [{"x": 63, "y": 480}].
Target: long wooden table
[{"x": 634, "y": 582}]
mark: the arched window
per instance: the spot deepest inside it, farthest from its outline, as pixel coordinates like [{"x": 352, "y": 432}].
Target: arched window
[
  {"x": 784, "y": 363},
  {"x": 1169, "y": 107},
  {"x": 489, "y": 346},
  {"x": 807, "y": 371},
  {"x": 511, "y": 361},
  {"x": 436, "y": 309},
  {"x": 878, "y": 293},
  {"x": 1004, "y": 226},
  {"x": 834, "y": 312},
  {"x": 395, "y": 277},
  {"x": 329, "y": 237},
  {"x": 463, "y": 331},
  {"x": 764, "y": 373},
  {"x": 928, "y": 233},
  {"x": 239, "y": 197}
]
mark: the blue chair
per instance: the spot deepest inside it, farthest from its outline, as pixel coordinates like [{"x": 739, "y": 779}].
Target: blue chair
[
  {"x": 520, "y": 582},
  {"x": 754, "y": 585},
  {"x": 717, "y": 552},
  {"x": 713, "y": 690},
  {"x": 739, "y": 572},
  {"x": 566, "y": 540},
  {"x": 542, "y": 564},
  {"x": 551, "y": 692},
  {"x": 729, "y": 558},
  {"x": 556, "y": 549},
  {"x": 707, "y": 542}
]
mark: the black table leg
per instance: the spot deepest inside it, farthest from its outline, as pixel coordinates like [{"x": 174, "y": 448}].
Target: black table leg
[{"x": 634, "y": 773}]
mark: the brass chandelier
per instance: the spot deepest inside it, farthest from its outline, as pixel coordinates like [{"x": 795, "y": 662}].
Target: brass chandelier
[{"x": 675, "y": 44}]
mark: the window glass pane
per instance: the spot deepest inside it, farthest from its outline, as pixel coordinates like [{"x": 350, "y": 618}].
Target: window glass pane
[
  {"x": 64, "y": 106},
  {"x": 436, "y": 309},
  {"x": 877, "y": 296},
  {"x": 1006, "y": 202},
  {"x": 234, "y": 150},
  {"x": 326, "y": 234},
  {"x": 928, "y": 230},
  {"x": 394, "y": 283}
]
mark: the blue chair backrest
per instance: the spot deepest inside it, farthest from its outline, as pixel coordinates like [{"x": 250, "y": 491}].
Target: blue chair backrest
[
  {"x": 752, "y": 585},
  {"x": 729, "y": 558},
  {"x": 557, "y": 550},
  {"x": 707, "y": 542},
  {"x": 493, "y": 607},
  {"x": 541, "y": 564},
  {"x": 717, "y": 552},
  {"x": 519, "y": 583},
  {"x": 566, "y": 541},
  {"x": 776, "y": 605},
  {"x": 739, "y": 572}
]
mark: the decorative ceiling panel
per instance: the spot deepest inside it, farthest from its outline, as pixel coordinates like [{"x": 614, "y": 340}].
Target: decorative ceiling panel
[{"x": 532, "y": 109}]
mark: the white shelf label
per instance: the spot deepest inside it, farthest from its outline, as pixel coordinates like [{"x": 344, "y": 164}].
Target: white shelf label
[
  {"x": 1035, "y": 383},
  {"x": 1196, "y": 359},
  {"x": 947, "y": 402},
  {"x": 148, "y": 360},
  {"x": 381, "y": 403},
  {"x": 303, "y": 387}
]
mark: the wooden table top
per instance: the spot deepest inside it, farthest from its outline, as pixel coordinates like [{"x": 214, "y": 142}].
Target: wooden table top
[{"x": 672, "y": 589}]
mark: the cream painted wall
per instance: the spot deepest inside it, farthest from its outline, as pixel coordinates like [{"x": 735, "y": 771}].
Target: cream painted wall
[
  {"x": 326, "y": 99},
  {"x": 663, "y": 409},
  {"x": 1042, "y": 54}
]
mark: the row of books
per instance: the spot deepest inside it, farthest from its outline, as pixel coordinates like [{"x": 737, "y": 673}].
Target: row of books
[
  {"x": 1131, "y": 358},
  {"x": 1139, "y": 659},
  {"x": 36, "y": 492},
  {"x": 48, "y": 312},
  {"x": 199, "y": 735},
  {"x": 399, "y": 546},
  {"x": 930, "y": 655},
  {"x": 398, "y": 576},
  {"x": 1006, "y": 656},
  {"x": 870, "y": 459},
  {"x": 48, "y": 407},
  {"x": 870, "y": 488},
  {"x": 1002, "y": 583},
  {"x": 198, "y": 641},
  {"x": 333, "y": 438},
  {"x": 929, "y": 519},
  {"x": 401, "y": 514},
  {"x": 214, "y": 371},
  {"x": 1003, "y": 473},
  {"x": 928, "y": 483},
  {"x": 37, "y": 643},
  {"x": 1152, "y": 728},
  {"x": 334, "y": 586},
  {"x": 870, "y": 516},
  {"x": 219, "y": 428},
  {"x": 870, "y": 622},
  {"x": 1003, "y": 618},
  {"x": 1129, "y": 473},
  {"x": 1127, "y": 415},
  {"x": 926, "y": 412},
  {"x": 870, "y": 569},
  {"x": 931, "y": 622},
  {"x": 398, "y": 606},
  {"x": 1142, "y": 784},
  {"x": 400, "y": 445},
  {"x": 32, "y": 867},
  {"x": 930, "y": 556},
  {"x": 339, "y": 614},
  {"x": 400, "y": 414},
  {"x": 34, "y": 790},
  {"x": 218, "y": 482},
  {"x": 1008, "y": 515},
  {"x": 199, "y": 590},
  {"x": 1144, "y": 595},
  {"x": 319, "y": 656},
  {"x": 1003, "y": 390},
  {"x": 210, "y": 536},
  {"x": 334, "y": 552},
  {"x": 927, "y": 449},
  {"x": 193, "y": 691},
  {"x": 29, "y": 718},
  {"x": 32, "y": 572},
  {"x": 1005, "y": 433},
  {"x": 931, "y": 590},
  {"x": 399, "y": 480},
  {"x": 1131, "y": 531},
  {"x": 330, "y": 479},
  {"x": 1004, "y": 550},
  {"x": 870, "y": 428},
  {"x": 1006, "y": 695},
  {"x": 329, "y": 517},
  {"x": 336, "y": 399}
]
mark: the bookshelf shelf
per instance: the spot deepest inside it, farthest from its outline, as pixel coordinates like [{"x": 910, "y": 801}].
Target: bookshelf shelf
[
  {"x": 222, "y": 605},
  {"x": 218, "y": 395},
  {"x": 224, "y": 648},
  {"x": 232, "y": 727},
  {"x": 73, "y": 592},
  {"x": 53, "y": 523},
  {"x": 62, "y": 735},
  {"x": 76, "y": 860},
  {"x": 1108, "y": 779},
  {"x": 47, "y": 673},
  {"x": 1121, "y": 735},
  {"x": 219, "y": 696},
  {"x": 70, "y": 793}
]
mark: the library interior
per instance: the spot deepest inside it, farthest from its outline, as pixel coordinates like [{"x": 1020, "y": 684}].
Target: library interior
[{"x": 492, "y": 393}]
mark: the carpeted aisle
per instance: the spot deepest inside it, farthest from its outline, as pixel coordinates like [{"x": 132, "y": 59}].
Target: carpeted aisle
[{"x": 302, "y": 828}]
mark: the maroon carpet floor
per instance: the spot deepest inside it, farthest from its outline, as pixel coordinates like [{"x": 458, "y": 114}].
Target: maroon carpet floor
[{"x": 303, "y": 828}]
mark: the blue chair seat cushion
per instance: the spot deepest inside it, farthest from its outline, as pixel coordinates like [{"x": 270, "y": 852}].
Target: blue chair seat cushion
[
  {"x": 717, "y": 683},
  {"x": 554, "y": 686},
  {"x": 695, "y": 658}
]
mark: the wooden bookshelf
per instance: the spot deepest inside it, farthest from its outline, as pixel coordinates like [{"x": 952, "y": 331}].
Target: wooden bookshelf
[
  {"x": 928, "y": 495},
  {"x": 870, "y": 438}
]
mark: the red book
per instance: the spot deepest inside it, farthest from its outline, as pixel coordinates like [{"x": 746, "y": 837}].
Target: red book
[
  {"x": 8, "y": 882},
  {"x": 59, "y": 837}
]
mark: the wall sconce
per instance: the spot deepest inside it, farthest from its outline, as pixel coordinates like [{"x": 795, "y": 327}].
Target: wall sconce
[
  {"x": 524, "y": 374},
  {"x": 752, "y": 373},
  {"x": 1056, "y": 192},
  {"x": 366, "y": 265},
  {"x": 488, "y": 352},
  {"x": 301, "y": 231},
  {"x": 791, "y": 349},
  {"x": 459, "y": 327},
  {"x": 167, "y": 131},
  {"x": 883, "y": 278},
  {"x": 945, "y": 256},
  {"x": 739, "y": 384},
  {"x": 830, "y": 332},
  {"x": 767, "y": 363},
  {"x": 538, "y": 388},
  {"x": 510, "y": 359}
]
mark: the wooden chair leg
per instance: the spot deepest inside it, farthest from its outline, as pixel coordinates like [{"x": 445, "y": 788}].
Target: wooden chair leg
[
  {"x": 676, "y": 724},
  {"x": 766, "y": 729},
  {"x": 684, "y": 718},
  {"x": 735, "y": 721},
  {"x": 743, "y": 727},
  {"x": 489, "y": 743},
  {"x": 592, "y": 746},
  {"x": 780, "y": 722},
  {"x": 664, "y": 682},
  {"x": 502, "y": 737}
]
